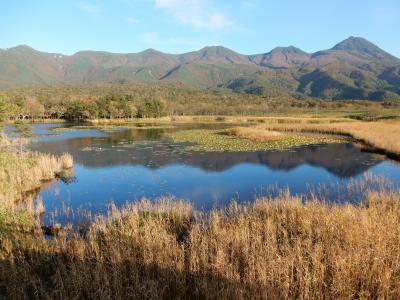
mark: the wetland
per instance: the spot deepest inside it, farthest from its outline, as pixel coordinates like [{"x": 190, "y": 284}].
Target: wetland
[{"x": 199, "y": 163}]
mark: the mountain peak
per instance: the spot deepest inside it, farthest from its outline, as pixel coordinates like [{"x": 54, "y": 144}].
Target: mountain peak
[
  {"x": 356, "y": 44},
  {"x": 216, "y": 50},
  {"x": 214, "y": 47},
  {"x": 281, "y": 58},
  {"x": 22, "y": 48},
  {"x": 218, "y": 53},
  {"x": 364, "y": 47},
  {"x": 288, "y": 50},
  {"x": 150, "y": 51}
]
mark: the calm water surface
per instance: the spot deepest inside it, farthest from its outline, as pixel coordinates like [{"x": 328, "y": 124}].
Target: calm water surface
[{"x": 129, "y": 164}]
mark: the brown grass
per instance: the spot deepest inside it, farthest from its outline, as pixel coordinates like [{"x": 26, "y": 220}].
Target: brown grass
[
  {"x": 275, "y": 248},
  {"x": 383, "y": 135},
  {"x": 278, "y": 248},
  {"x": 255, "y": 134},
  {"x": 24, "y": 172}
]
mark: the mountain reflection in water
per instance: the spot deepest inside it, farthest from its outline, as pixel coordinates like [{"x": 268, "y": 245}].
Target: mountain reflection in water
[{"x": 128, "y": 164}]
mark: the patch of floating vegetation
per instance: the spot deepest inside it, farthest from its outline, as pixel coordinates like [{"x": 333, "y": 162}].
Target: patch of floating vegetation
[
  {"x": 64, "y": 129},
  {"x": 222, "y": 141},
  {"x": 138, "y": 143},
  {"x": 46, "y": 134},
  {"x": 82, "y": 127},
  {"x": 106, "y": 128},
  {"x": 155, "y": 127},
  {"x": 94, "y": 149}
]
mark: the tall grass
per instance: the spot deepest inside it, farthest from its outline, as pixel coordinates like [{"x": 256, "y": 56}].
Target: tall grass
[
  {"x": 255, "y": 134},
  {"x": 24, "y": 172},
  {"x": 381, "y": 135},
  {"x": 274, "y": 248}
]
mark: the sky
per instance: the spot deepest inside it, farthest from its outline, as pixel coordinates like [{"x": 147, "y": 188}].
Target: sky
[{"x": 178, "y": 26}]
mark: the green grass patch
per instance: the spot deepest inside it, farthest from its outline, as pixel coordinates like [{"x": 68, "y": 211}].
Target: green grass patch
[
  {"x": 12, "y": 221},
  {"x": 372, "y": 117},
  {"x": 11, "y": 159},
  {"x": 220, "y": 141}
]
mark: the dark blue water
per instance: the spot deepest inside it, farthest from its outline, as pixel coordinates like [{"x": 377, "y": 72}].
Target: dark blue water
[{"x": 129, "y": 164}]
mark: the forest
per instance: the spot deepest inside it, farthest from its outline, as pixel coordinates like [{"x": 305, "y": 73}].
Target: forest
[{"x": 117, "y": 101}]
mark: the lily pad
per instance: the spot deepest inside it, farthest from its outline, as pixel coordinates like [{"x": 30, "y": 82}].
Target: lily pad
[{"x": 220, "y": 141}]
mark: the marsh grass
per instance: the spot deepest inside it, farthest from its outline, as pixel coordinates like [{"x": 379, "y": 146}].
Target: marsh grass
[
  {"x": 281, "y": 248},
  {"x": 383, "y": 135},
  {"x": 12, "y": 221},
  {"x": 24, "y": 172},
  {"x": 255, "y": 134}
]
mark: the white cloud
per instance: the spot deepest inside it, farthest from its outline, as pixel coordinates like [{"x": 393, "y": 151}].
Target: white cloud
[
  {"x": 89, "y": 8},
  {"x": 132, "y": 21},
  {"x": 196, "y": 13}
]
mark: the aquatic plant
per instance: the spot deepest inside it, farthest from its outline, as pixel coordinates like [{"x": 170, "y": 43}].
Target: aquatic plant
[
  {"x": 114, "y": 127},
  {"x": 223, "y": 140}
]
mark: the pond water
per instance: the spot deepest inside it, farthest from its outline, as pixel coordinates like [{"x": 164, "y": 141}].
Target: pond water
[{"x": 129, "y": 164}]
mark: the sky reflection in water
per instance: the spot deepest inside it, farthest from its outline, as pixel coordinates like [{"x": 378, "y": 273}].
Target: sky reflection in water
[{"x": 127, "y": 165}]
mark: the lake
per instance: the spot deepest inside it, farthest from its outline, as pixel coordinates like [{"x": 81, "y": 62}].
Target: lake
[{"x": 128, "y": 164}]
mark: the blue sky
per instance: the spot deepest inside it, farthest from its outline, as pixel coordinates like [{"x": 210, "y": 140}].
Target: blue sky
[{"x": 176, "y": 26}]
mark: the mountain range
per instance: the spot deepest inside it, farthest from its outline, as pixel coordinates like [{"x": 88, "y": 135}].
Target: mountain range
[{"x": 353, "y": 69}]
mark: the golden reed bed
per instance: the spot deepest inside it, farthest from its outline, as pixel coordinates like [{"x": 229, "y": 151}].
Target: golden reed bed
[
  {"x": 272, "y": 249},
  {"x": 24, "y": 172},
  {"x": 381, "y": 135}
]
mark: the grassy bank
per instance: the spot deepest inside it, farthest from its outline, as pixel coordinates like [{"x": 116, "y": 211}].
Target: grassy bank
[
  {"x": 275, "y": 248},
  {"x": 383, "y": 135},
  {"x": 21, "y": 173}
]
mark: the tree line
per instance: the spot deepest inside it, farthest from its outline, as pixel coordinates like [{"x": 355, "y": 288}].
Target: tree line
[
  {"x": 142, "y": 101},
  {"x": 111, "y": 106}
]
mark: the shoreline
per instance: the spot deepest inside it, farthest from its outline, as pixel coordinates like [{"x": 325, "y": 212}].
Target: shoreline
[{"x": 311, "y": 124}]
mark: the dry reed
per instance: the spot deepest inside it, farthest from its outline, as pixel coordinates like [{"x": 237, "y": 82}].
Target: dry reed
[
  {"x": 381, "y": 135},
  {"x": 255, "y": 134},
  {"x": 274, "y": 248},
  {"x": 24, "y": 172}
]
